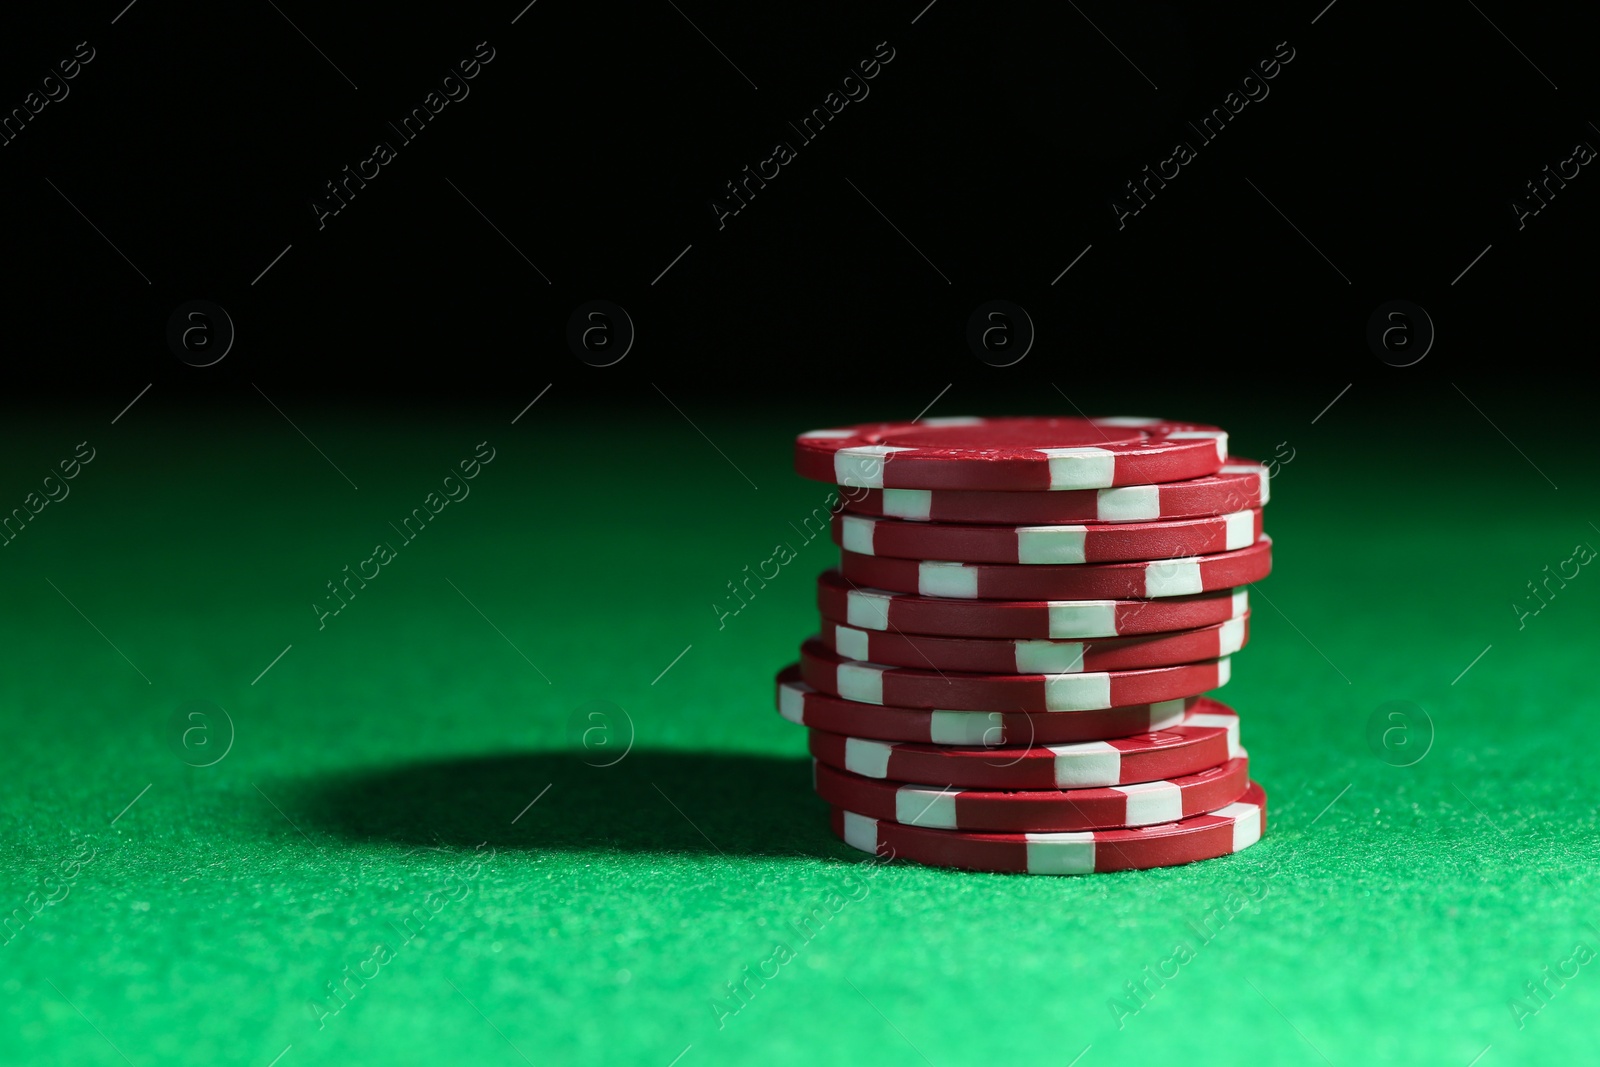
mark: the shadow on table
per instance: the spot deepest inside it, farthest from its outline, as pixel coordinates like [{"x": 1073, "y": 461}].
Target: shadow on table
[{"x": 650, "y": 801}]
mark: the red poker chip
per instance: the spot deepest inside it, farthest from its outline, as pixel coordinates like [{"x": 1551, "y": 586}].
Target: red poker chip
[
  {"x": 907, "y": 687},
  {"x": 1036, "y": 811},
  {"x": 805, "y": 706},
  {"x": 1207, "y": 736},
  {"x": 1239, "y": 485},
  {"x": 1047, "y": 545},
  {"x": 865, "y": 607},
  {"x": 893, "y": 648},
  {"x": 1229, "y": 829},
  {"x": 999, "y": 581},
  {"x": 1013, "y": 454}
]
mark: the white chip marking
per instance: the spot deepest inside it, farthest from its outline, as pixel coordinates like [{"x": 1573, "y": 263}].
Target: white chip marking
[
  {"x": 868, "y": 608},
  {"x": 1220, "y": 437},
  {"x": 1060, "y": 853},
  {"x": 1083, "y": 618},
  {"x": 860, "y": 681},
  {"x": 1246, "y": 823},
  {"x": 908, "y": 504},
  {"x": 1241, "y": 529},
  {"x": 966, "y": 727},
  {"x": 856, "y": 535},
  {"x": 1150, "y": 803},
  {"x": 1077, "y": 692},
  {"x": 792, "y": 703},
  {"x": 860, "y": 832},
  {"x": 862, "y": 467},
  {"x": 953, "y": 420},
  {"x": 1230, "y": 638},
  {"x": 1126, "y": 420},
  {"x": 1128, "y": 503},
  {"x": 919, "y": 805},
  {"x": 1081, "y": 468},
  {"x": 1051, "y": 544},
  {"x": 850, "y": 642},
  {"x": 1168, "y": 713},
  {"x": 937, "y": 578},
  {"x": 828, "y": 433},
  {"x": 1230, "y": 723},
  {"x": 1173, "y": 577},
  {"x": 1263, "y": 482},
  {"x": 1241, "y": 602},
  {"x": 869, "y": 759},
  {"x": 1048, "y": 657},
  {"x": 1087, "y": 766},
  {"x": 1224, "y": 671}
]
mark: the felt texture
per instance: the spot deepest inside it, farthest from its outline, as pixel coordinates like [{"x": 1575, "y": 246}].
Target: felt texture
[{"x": 417, "y": 792}]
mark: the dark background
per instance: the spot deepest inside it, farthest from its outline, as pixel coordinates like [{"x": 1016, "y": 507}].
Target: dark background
[
  {"x": 995, "y": 141},
  {"x": 1414, "y": 508}
]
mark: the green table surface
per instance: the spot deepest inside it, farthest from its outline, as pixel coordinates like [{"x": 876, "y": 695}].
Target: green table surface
[{"x": 413, "y": 793}]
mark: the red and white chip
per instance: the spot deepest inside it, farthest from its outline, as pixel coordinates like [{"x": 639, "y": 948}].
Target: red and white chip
[
  {"x": 866, "y": 607},
  {"x": 893, "y": 648},
  {"x": 1001, "y": 581},
  {"x": 1047, "y": 545},
  {"x": 1208, "y": 735},
  {"x": 805, "y": 706},
  {"x": 1036, "y": 811},
  {"x": 1229, "y": 829},
  {"x": 907, "y": 687},
  {"x": 1239, "y": 485},
  {"x": 1013, "y": 454}
]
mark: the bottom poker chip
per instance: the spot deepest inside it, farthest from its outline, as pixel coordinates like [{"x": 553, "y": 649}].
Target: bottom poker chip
[{"x": 1227, "y": 830}]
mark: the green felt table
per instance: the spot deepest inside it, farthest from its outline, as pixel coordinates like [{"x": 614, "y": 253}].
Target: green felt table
[{"x": 525, "y": 797}]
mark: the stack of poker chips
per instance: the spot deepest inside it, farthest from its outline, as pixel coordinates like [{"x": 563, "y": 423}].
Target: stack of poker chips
[{"x": 1015, "y": 645}]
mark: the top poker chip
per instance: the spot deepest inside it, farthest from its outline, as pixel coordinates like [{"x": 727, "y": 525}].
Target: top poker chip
[{"x": 1014, "y": 454}]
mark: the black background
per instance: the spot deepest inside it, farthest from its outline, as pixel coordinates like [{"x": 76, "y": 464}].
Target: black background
[{"x": 994, "y": 142}]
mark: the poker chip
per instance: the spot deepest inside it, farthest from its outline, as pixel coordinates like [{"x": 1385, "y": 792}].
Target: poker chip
[
  {"x": 1014, "y": 646},
  {"x": 862, "y": 606},
  {"x": 1207, "y": 735},
  {"x": 895, "y": 649},
  {"x": 907, "y": 687},
  {"x": 1058, "y": 545},
  {"x": 1239, "y": 485},
  {"x": 1000, "y": 581},
  {"x": 805, "y": 706},
  {"x": 1015, "y": 454},
  {"x": 1039, "y": 810},
  {"x": 1229, "y": 829}
]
